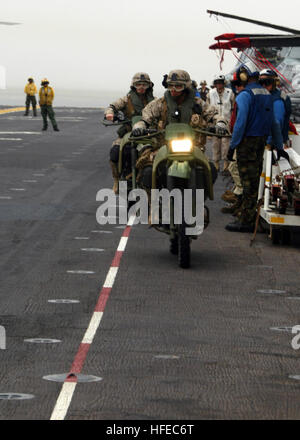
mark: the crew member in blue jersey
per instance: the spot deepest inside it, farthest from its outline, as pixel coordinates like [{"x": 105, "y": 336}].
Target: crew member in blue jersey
[
  {"x": 255, "y": 121},
  {"x": 281, "y": 106}
]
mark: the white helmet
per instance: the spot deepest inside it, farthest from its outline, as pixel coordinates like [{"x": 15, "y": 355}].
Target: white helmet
[
  {"x": 268, "y": 72},
  {"x": 219, "y": 78}
]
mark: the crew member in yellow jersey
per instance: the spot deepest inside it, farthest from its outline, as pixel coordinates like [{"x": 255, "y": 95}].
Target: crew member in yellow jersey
[
  {"x": 46, "y": 96},
  {"x": 30, "y": 90}
]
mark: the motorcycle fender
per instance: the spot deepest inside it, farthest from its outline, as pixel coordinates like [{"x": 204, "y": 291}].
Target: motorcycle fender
[
  {"x": 160, "y": 156},
  {"x": 180, "y": 169},
  {"x": 124, "y": 141}
]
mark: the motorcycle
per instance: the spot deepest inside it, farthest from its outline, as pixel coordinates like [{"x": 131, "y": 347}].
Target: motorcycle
[
  {"x": 129, "y": 148},
  {"x": 179, "y": 164}
]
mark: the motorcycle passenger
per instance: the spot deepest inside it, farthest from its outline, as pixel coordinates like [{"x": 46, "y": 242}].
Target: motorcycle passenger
[
  {"x": 254, "y": 123},
  {"x": 179, "y": 104},
  {"x": 140, "y": 94}
]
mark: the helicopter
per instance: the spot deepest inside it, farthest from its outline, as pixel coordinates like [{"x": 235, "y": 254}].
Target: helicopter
[{"x": 279, "y": 52}]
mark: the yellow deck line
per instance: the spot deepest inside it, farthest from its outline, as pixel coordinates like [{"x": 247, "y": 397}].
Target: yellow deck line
[{"x": 12, "y": 110}]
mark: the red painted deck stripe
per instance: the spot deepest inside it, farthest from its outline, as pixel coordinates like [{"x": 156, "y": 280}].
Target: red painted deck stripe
[{"x": 100, "y": 306}]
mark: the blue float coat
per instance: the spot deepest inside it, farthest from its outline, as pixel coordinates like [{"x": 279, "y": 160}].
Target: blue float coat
[{"x": 255, "y": 116}]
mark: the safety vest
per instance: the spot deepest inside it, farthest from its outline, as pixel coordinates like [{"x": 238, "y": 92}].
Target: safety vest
[
  {"x": 260, "y": 116},
  {"x": 222, "y": 102},
  {"x": 30, "y": 89},
  {"x": 172, "y": 112},
  {"x": 46, "y": 95},
  {"x": 136, "y": 102},
  {"x": 279, "y": 94}
]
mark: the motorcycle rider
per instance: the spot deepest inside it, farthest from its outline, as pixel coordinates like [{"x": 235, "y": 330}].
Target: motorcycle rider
[
  {"x": 140, "y": 94},
  {"x": 179, "y": 104}
]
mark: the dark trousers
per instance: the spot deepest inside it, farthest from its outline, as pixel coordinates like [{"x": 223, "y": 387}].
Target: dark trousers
[
  {"x": 32, "y": 100},
  {"x": 250, "y": 154},
  {"x": 48, "y": 110},
  {"x": 126, "y": 156}
]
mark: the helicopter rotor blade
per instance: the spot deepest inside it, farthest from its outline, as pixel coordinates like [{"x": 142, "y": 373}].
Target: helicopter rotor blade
[{"x": 259, "y": 23}]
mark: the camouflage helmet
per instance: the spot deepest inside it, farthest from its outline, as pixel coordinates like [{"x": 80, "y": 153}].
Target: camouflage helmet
[
  {"x": 141, "y": 77},
  {"x": 180, "y": 77}
]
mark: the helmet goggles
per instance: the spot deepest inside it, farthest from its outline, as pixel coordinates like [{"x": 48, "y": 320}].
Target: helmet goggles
[{"x": 176, "y": 86}]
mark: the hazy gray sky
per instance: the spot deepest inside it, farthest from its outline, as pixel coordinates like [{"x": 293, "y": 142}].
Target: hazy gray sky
[{"x": 97, "y": 44}]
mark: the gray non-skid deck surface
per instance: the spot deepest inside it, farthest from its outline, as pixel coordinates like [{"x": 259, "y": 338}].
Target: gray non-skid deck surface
[{"x": 173, "y": 343}]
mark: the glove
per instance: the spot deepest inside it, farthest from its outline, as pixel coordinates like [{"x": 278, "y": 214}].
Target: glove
[
  {"x": 221, "y": 128},
  {"x": 282, "y": 153},
  {"x": 230, "y": 155},
  {"x": 221, "y": 131},
  {"x": 138, "y": 132}
]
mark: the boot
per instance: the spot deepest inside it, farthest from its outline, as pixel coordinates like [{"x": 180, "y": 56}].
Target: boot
[
  {"x": 56, "y": 128},
  {"x": 44, "y": 128},
  {"x": 234, "y": 208},
  {"x": 115, "y": 174},
  {"x": 228, "y": 209},
  {"x": 237, "y": 226},
  {"x": 229, "y": 197}
]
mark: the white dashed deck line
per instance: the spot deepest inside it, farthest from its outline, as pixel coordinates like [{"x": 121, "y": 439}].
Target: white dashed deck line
[
  {"x": 110, "y": 278},
  {"x": 5, "y": 197},
  {"x": 131, "y": 220},
  {"x": 20, "y": 132},
  {"x": 17, "y": 189},
  {"x": 92, "y": 328},
  {"x": 11, "y": 139},
  {"x": 65, "y": 397},
  {"x": 81, "y": 272},
  {"x": 81, "y": 238},
  {"x": 102, "y": 232},
  {"x": 122, "y": 244},
  {"x": 63, "y": 401},
  {"x": 92, "y": 250}
]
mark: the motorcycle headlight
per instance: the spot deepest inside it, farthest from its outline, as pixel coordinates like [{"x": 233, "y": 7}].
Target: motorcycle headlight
[{"x": 181, "y": 146}]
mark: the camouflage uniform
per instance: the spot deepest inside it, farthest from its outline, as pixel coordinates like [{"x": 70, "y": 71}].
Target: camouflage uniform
[
  {"x": 131, "y": 105},
  {"x": 160, "y": 112},
  {"x": 249, "y": 159},
  {"x": 234, "y": 171},
  {"x": 155, "y": 114}
]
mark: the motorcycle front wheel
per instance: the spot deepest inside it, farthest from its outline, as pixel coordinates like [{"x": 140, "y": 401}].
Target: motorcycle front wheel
[{"x": 184, "y": 248}]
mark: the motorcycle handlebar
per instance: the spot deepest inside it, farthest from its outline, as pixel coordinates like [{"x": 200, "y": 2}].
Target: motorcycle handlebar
[
  {"x": 149, "y": 133},
  {"x": 107, "y": 123}
]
